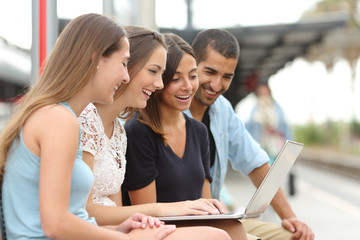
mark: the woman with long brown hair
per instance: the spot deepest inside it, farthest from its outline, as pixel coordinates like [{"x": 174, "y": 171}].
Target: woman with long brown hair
[
  {"x": 168, "y": 153},
  {"x": 45, "y": 183}
]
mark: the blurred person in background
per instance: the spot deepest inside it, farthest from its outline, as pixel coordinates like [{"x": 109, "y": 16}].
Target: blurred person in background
[{"x": 267, "y": 125}]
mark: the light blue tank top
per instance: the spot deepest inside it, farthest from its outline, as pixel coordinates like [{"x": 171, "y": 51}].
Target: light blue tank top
[{"x": 21, "y": 191}]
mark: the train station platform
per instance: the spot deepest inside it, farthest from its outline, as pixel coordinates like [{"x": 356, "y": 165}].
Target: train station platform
[{"x": 334, "y": 160}]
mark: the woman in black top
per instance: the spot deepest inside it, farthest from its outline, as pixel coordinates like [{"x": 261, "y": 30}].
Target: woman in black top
[
  {"x": 168, "y": 153},
  {"x": 154, "y": 165}
]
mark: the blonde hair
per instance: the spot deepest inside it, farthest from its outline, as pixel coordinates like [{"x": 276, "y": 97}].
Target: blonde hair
[{"x": 69, "y": 68}]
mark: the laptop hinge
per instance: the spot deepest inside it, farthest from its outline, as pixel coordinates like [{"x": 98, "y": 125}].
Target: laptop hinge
[{"x": 256, "y": 215}]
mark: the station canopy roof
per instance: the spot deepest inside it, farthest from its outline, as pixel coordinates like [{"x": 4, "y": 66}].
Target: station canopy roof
[{"x": 264, "y": 50}]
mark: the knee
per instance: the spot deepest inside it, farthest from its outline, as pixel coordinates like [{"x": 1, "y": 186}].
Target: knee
[
  {"x": 220, "y": 234},
  {"x": 235, "y": 229}
]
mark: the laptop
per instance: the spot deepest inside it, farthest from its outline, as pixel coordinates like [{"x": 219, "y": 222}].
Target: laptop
[{"x": 264, "y": 193}]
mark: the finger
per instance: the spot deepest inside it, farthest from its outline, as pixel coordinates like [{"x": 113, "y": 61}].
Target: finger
[
  {"x": 210, "y": 207},
  {"x": 288, "y": 226},
  {"x": 151, "y": 221},
  {"x": 166, "y": 230},
  {"x": 197, "y": 212},
  {"x": 135, "y": 225},
  {"x": 197, "y": 207},
  {"x": 297, "y": 235},
  {"x": 218, "y": 205},
  {"x": 139, "y": 217},
  {"x": 299, "y": 232},
  {"x": 312, "y": 235},
  {"x": 157, "y": 222},
  {"x": 144, "y": 221},
  {"x": 308, "y": 234},
  {"x": 304, "y": 235}
]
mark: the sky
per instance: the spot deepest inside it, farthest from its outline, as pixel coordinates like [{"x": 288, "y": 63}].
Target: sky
[
  {"x": 207, "y": 13},
  {"x": 306, "y": 91}
]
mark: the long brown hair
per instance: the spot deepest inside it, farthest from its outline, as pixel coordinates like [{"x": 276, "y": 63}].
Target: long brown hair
[
  {"x": 69, "y": 68},
  {"x": 150, "y": 115},
  {"x": 143, "y": 42}
]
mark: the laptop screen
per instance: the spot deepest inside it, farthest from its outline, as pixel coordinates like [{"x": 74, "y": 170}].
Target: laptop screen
[{"x": 274, "y": 177}]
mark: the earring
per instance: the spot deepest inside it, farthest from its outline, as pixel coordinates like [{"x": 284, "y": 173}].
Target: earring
[{"x": 97, "y": 67}]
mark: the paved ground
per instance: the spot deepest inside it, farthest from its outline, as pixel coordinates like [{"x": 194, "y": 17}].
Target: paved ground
[
  {"x": 344, "y": 163},
  {"x": 327, "y": 201}
]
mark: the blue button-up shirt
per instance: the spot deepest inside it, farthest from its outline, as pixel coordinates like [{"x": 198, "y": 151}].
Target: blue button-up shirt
[{"x": 233, "y": 142}]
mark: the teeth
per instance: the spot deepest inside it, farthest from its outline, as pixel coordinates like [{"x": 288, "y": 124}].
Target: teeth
[
  {"x": 116, "y": 88},
  {"x": 183, "y": 97},
  {"x": 147, "y": 92},
  {"x": 210, "y": 92}
]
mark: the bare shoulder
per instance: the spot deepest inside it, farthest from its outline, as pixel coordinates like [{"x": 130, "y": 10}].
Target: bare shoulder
[
  {"x": 51, "y": 119},
  {"x": 48, "y": 122},
  {"x": 54, "y": 114}
]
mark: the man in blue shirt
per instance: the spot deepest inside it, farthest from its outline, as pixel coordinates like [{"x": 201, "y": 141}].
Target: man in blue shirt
[{"x": 217, "y": 55}]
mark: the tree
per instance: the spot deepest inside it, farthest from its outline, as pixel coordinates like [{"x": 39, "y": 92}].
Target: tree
[{"x": 341, "y": 43}]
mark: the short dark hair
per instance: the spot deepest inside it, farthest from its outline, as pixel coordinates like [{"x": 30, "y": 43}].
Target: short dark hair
[{"x": 220, "y": 40}]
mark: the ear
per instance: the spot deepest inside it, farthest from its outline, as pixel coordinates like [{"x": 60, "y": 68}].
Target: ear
[{"x": 94, "y": 58}]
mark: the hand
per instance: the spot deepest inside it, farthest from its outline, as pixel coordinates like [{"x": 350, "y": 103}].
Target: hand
[
  {"x": 138, "y": 220},
  {"x": 148, "y": 233},
  {"x": 200, "y": 206},
  {"x": 299, "y": 229}
]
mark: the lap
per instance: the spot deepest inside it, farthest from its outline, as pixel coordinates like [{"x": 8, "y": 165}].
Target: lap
[
  {"x": 233, "y": 227},
  {"x": 257, "y": 229}
]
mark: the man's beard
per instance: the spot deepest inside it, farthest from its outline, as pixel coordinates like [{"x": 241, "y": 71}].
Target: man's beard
[{"x": 207, "y": 102}]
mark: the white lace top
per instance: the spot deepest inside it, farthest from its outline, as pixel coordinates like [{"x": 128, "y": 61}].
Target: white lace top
[{"x": 109, "y": 154}]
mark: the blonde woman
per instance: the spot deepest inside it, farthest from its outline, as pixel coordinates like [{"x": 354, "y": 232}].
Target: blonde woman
[{"x": 45, "y": 183}]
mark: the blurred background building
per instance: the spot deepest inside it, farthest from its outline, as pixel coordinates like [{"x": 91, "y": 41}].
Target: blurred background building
[
  {"x": 307, "y": 51},
  {"x": 311, "y": 34}
]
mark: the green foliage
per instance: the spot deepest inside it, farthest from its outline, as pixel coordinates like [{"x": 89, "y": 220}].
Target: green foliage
[
  {"x": 329, "y": 133},
  {"x": 308, "y": 134},
  {"x": 355, "y": 128}
]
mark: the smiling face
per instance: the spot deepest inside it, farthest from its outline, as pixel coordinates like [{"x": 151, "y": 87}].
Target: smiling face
[
  {"x": 179, "y": 92},
  {"x": 111, "y": 73},
  {"x": 146, "y": 81},
  {"x": 215, "y": 75}
]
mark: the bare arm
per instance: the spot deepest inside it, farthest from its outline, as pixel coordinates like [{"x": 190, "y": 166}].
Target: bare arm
[
  {"x": 56, "y": 165},
  {"x": 144, "y": 195},
  {"x": 143, "y": 200},
  {"x": 201, "y": 206},
  {"x": 206, "y": 189},
  {"x": 117, "y": 198},
  {"x": 207, "y": 195},
  {"x": 107, "y": 215}
]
